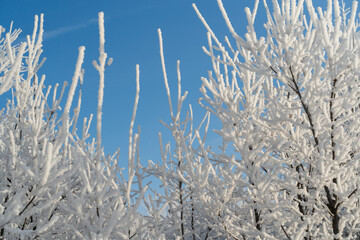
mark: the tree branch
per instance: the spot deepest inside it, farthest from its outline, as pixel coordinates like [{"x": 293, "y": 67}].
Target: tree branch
[{"x": 304, "y": 106}]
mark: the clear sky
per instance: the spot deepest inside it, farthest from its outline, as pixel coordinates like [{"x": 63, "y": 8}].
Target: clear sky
[{"x": 131, "y": 38}]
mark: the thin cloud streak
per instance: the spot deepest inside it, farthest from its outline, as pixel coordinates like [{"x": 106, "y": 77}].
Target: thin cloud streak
[{"x": 64, "y": 30}]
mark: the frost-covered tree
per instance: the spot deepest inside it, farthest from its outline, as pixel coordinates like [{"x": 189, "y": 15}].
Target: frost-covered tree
[
  {"x": 54, "y": 182},
  {"x": 289, "y": 107}
]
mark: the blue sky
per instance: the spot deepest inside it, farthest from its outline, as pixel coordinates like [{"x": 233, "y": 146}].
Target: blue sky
[{"x": 131, "y": 38}]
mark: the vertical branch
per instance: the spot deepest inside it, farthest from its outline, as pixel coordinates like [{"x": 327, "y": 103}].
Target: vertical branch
[
  {"x": 164, "y": 72},
  {"x": 69, "y": 100},
  {"x": 77, "y": 109},
  {"x": 179, "y": 102},
  {"x": 74, "y": 82},
  {"x": 333, "y": 198},
  {"x": 176, "y": 129},
  {"x": 181, "y": 206},
  {"x": 132, "y": 147},
  {"x": 192, "y": 216},
  {"x": 137, "y": 94},
  {"x": 101, "y": 69}
]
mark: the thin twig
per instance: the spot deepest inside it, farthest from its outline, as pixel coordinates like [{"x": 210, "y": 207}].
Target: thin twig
[
  {"x": 27, "y": 205},
  {"x": 287, "y": 235}
]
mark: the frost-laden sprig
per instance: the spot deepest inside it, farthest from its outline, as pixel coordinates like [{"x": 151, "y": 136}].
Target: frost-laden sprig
[
  {"x": 11, "y": 56},
  {"x": 177, "y": 172},
  {"x": 100, "y": 67},
  {"x": 106, "y": 197}
]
